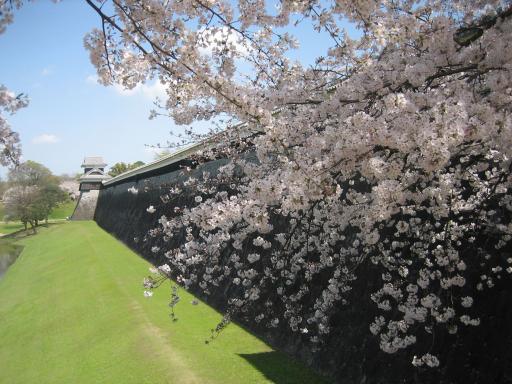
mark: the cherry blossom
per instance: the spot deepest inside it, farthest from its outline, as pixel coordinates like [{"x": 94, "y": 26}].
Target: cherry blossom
[
  {"x": 392, "y": 149},
  {"x": 10, "y": 149}
]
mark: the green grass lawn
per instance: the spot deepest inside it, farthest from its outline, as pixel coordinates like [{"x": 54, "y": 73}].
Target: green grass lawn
[
  {"x": 72, "y": 311},
  {"x": 62, "y": 211},
  {"x": 10, "y": 227}
]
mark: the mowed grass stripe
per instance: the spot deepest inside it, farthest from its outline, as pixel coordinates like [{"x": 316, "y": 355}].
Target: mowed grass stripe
[{"x": 72, "y": 311}]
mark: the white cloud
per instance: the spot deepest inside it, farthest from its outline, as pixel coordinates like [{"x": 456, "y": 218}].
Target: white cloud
[
  {"x": 151, "y": 91},
  {"x": 120, "y": 90},
  {"x": 47, "y": 71},
  {"x": 92, "y": 79},
  {"x": 157, "y": 89},
  {"x": 45, "y": 138}
]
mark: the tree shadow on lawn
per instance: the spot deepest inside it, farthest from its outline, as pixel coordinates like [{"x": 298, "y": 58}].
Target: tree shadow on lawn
[
  {"x": 22, "y": 233},
  {"x": 280, "y": 369}
]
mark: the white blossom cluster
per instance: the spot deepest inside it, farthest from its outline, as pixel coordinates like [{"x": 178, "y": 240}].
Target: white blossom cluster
[
  {"x": 10, "y": 149},
  {"x": 9, "y": 141},
  {"x": 6, "y": 13},
  {"x": 392, "y": 150}
]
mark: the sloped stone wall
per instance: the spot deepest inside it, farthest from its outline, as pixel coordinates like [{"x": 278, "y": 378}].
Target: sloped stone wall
[
  {"x": 351, "y": 354},
  {"x": 86, "y": 205}
]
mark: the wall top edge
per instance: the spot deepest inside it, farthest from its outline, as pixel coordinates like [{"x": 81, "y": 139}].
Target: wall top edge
[
  {"x": 243, "y": 130},
  {"x": 162, "y": 162}
]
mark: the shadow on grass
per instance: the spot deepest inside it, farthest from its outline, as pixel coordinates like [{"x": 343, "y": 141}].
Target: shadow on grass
[
  {"x": 280, "y": 369},
  {"x": 22, "y": 233}
]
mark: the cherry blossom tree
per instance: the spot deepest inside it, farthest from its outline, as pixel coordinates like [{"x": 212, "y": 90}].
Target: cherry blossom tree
[
  {"x": 9, "y": 102},
  {"x": 32, "y": 194},
  {"x": 393, "y": 148},
  {"x": 9, "y": 140}
]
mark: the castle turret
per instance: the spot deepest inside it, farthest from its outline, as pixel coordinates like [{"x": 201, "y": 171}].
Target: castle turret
[
  {"x": 90, "y": 185},
  {"x": 94, "y": 173}
]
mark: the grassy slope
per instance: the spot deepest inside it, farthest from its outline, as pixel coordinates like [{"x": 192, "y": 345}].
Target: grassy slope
[{"x": 72, "y": 311}]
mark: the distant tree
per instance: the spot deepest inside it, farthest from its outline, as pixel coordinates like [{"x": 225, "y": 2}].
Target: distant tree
[
  {"x": 66, "y": 177},
  {"x": 137, "y": 164},
  {"x": 122, "y": 167},
  {"x": 18, "y": 204},
  {"x": 3, "y": 186},
  {"x": 33, "y": 193},
  {"x": 31, "y": 173},
  {"x": 48, "y": 197},
  {"x": 117, "y": 169}
]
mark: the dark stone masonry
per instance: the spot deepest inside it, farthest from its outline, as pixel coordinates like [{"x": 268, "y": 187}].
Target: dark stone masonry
[{"x": 351, "y": 354}]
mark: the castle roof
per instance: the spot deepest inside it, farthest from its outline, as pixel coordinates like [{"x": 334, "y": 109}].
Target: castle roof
[
  {"x": 94, "y": 162},
  {"x": 95, "y": 175}
]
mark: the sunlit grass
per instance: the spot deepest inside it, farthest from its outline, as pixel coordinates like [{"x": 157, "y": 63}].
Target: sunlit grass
[
  {"x": 62, "y": 211},
  {"x": 10, "y": 227},
  {"x": 72, "y": 311}
]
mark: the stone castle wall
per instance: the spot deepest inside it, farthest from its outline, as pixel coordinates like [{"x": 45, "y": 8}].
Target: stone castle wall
[
  {"x": 86, "y": 205},
  {"x": 351, "y": 354}
]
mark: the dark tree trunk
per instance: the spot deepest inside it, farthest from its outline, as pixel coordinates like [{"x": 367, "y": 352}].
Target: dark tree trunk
[{"x": 33, "y": 225}]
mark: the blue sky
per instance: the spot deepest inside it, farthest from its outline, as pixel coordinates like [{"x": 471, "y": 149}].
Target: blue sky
[{"x": 70, "y": 116}]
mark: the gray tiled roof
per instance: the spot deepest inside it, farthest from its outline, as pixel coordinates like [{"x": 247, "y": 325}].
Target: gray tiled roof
[
  {"x": 95, "y": 174},
  {"x": 93, "y": 162}
]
